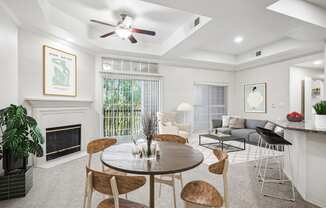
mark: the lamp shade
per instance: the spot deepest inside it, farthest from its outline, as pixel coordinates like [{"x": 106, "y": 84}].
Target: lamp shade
[{"x": 184, "y": 107}]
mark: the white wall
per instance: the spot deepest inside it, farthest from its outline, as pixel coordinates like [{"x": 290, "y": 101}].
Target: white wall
[
  {"x": 178, "y": 84},
  {"x": 30, "y": 50},
  {"x": 277, "y": 77},
  {"x": 297, "y": 77},
  {"x": 8, "y": 60}
]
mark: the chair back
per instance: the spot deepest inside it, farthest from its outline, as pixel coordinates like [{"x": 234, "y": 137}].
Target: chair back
[
  {"x": 101, "y": 182},
  {"x": 201, "y": 194},
  {"x": 98, "y": 145},
  {"x": 221, "y": 167},
  {"x": 170, "y": 138}
]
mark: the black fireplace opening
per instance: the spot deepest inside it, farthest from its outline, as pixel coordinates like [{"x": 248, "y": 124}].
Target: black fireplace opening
[{"x": 62, "y": 141}]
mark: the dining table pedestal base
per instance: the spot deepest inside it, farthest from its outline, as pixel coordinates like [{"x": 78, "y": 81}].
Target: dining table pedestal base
[{"x": 151, "y": 191}]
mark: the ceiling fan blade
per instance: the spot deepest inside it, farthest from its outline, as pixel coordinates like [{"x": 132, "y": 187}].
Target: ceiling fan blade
[
  {"x": 141, "y": 31},
  {"x": 108, "y": 34},
  {"x": 132, "y": 39},
  {"x": 103, "y": 23}
]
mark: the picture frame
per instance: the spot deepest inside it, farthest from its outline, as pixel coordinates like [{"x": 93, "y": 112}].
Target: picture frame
[
  {"x": 59, "y": 72},
  {"x": 255, "y": 98}
]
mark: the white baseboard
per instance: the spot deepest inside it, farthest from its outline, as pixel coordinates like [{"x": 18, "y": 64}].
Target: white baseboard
[{"x": 62, "y": 160}]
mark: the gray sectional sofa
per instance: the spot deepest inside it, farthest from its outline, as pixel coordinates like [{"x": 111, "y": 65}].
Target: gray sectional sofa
[{"x": 249, "y": 132}]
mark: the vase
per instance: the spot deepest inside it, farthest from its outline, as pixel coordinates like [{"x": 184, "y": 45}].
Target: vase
[
  {"x": 149, "y": 145},
  {"x": 320, "y": 121}
]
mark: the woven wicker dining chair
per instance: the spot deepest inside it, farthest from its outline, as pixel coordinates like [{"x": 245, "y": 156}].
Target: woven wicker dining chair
[
  {"x": 113, "y": 185},
  {"x": 200, "y": 194},
  {"x": 221, "y": 168},
  {"x": 170, "y": 179},
  {"x": 97, "y": 146}
]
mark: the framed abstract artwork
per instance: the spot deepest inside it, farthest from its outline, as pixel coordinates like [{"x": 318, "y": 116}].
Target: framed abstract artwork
[
  {"x": 59, "y": 72},
  {"x": 255, "y": 98}
]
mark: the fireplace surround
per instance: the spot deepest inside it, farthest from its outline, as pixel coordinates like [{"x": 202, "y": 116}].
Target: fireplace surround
[
  {"x": 50, "y": 114},
  {"x": 62, "y": 140}
]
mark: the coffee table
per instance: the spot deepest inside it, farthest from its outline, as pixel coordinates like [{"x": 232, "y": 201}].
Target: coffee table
[{"x": 221, "y": 139}]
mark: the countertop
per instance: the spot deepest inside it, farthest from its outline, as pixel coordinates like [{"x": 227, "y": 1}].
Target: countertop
[{"x": 300, "y": 126}]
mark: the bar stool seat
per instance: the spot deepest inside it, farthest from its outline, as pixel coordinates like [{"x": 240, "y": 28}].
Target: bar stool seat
[
  {"x": 273, "y": 142},
  {"x": 202, "y": 194}
]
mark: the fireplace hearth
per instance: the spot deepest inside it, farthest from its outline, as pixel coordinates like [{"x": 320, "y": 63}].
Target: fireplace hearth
[{"x": 63, "y": 140}]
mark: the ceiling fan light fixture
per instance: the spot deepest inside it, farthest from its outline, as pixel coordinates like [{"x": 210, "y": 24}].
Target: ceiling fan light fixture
[{"x": 123, "y": 33}]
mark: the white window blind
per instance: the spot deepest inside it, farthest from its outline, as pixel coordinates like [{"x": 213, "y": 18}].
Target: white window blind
[
  {"x": 126, "y": 97},
  {"x": 209, "y": 103}
]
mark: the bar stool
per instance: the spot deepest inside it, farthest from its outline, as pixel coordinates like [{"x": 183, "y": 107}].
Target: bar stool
[{"x": 274, "y": 142}]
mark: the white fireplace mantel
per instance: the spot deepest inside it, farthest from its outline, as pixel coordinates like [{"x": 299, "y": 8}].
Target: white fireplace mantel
[
  {"x": 48, "y": 103},
  {"x": 61, "y": 112}
]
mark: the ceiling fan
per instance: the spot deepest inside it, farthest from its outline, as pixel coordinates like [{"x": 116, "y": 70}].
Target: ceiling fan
[{"x": 124, "y": 28}]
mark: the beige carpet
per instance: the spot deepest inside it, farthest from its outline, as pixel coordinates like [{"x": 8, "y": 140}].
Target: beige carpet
[{"x": 63, "y": 186}]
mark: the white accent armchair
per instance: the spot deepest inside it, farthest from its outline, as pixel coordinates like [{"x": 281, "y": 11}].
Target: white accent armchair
[{"x": 167, "y": 125}]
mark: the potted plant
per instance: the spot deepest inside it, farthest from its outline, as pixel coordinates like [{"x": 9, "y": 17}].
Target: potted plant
[
  {"x": 20, "y": 137},
  {"x": 320, "y": 117},
  {"x": 149, "y": 124}
]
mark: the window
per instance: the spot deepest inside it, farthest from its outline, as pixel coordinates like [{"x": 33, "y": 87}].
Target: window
[
  {"x": 209, "y": 103},
  {"x": 126, "y": 97}
]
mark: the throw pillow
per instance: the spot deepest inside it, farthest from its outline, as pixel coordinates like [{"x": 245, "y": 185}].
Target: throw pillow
[
  {"x": 269, "y": 126},
  {"x": 225, "y": 121},
  {"x": 237, "y": 123},
  {"x": 279, "y": 130}
]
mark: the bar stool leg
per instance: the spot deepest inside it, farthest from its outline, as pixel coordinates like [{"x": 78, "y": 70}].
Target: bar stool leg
[
  {"x": 281, "y": 180},
  {"x": 257, "y": 152},
  {"x": 262, "y": 157},
  {"x": 265, "y": 169}
]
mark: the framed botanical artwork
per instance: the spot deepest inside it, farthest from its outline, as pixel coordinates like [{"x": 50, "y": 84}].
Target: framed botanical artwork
[
  {"x": 255, "y": 98},
  {"x": 60, "y": 72}
]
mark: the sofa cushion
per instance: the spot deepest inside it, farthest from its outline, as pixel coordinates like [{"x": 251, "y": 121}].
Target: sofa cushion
[
  {"x": 216, "y": 123},
  {"x": 224, "y": 130},
  {"x": 242, "y": 133},
  {"x": 253, "y": 124},
  {"x": 279, "y": 130},
  {"x": 236, "y": 123},
  {"x": 253, "y": 138},
  {"x": 269, "y": 126}
]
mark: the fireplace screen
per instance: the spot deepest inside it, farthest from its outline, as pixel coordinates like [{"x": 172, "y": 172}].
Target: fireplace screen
[{"x": 62, "y": 141}]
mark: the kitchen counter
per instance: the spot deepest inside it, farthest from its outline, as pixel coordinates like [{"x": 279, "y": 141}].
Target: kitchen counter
[
  {"x": 300, "y": 126},
  {"x": 308, "y": 159}
]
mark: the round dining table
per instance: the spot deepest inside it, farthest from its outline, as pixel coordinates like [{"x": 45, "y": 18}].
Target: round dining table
[{"x": 173, "y": 158}]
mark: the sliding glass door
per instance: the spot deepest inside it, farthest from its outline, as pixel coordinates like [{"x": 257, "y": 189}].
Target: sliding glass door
[
  {"x": 209, "y": 103},
  {"x": 124, "y": 101}
]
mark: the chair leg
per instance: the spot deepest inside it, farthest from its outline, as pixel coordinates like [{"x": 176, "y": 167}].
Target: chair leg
[
  {"x": 85, "y": 193},
  {"x": 89, "y": 190},
  {"x": 181, "y": 180},
  {"x": 174, "y": 196},
  {"x": 226, "y": 191},
  {"x": 115, "y": 192},
  {"x": 160, "y": 188}
]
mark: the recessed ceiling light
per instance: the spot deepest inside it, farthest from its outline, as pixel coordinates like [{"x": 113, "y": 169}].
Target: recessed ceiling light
[
  {"x": 318, "y": 62},
  {"x": 238, "y": 39}
]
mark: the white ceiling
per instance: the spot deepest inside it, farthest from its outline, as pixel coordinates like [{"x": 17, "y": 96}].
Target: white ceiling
[
  {"x": 311, "y": 64},
  {"x": 208, "y": 45},
  {"x": 145, "y": 15},
  {"x": 321, "y": 3}
]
